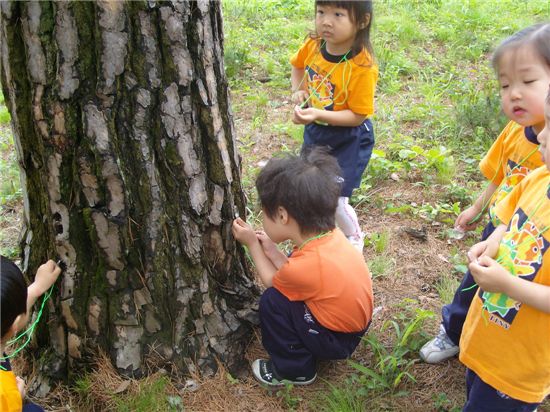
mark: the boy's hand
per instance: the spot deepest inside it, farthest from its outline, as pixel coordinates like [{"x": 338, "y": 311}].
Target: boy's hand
[
  {"x": 464, "y": 220},
  {"x": 269, "y": 247},
  {"x": 304, "y": 116},
  {"x": 483, "y": 248},
  {"x": 243, "y": 232},
  {"x": 489, "y": 274},
  {"x": 299, "y": 96},
  {"x": 21, "y": 386},
  {"x": 46, "y": 275}
]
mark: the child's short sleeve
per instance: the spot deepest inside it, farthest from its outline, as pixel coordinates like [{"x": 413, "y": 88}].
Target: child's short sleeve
[
  {"x": 493, "y": 164},
  {"x": 361, "y": 89},
  {"x": 303, "y": 54}
]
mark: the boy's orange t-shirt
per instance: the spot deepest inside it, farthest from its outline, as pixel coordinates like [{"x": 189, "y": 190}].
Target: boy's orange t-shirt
[
  {"x": 340, "y": 85},
  {"x": 509, "y": 160},
  {"x": 505, "y": 342},
  {"x": 331, "y": 277}
]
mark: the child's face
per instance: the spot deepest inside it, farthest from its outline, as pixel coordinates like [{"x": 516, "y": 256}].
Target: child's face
[
  {"x": 544, "y": 135},
  {"x": 524, "y": 79},
  {"x": 335, "y": 26}
]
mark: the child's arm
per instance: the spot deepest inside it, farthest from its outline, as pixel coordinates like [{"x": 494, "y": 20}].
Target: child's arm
[
  {"x": 271, "y": 250},
  {"x": 299, "y": 91},
  {"x": 244, "y": 234},
  {"x": 465, "y": 220},
  {"x": 340, "y": 118},
  {"x": 492, "y": 277},
  {"x": 46, "y": 275}
]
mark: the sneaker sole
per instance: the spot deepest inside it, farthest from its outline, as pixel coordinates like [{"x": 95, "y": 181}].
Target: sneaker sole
[{"x": 258, "y": 377}]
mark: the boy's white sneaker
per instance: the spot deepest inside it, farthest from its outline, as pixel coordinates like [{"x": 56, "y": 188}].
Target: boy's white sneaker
[
  {"x": 358, "y": 241},
  {"x": 439, "y": 348},
  {"x": 263, "y": 372}
]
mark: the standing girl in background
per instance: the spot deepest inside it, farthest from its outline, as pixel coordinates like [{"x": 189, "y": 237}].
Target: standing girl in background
[{"x": 333, "y": 83}]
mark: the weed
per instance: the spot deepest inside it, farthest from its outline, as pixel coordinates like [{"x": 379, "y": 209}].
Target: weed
[
  {"x": 392, "y": 362},
  {"x": 285, "y": 393},
  {"x": 379, "y": 241},
  {"x": 446, "y": 287},
  {"x": 381, "y": 265},
  {"x": 150, "y": 397}
]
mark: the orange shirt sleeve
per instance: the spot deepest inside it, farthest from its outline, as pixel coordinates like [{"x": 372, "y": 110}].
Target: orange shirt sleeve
[
  {"x": 361, "y": 89},
  {"x": 300, "y": 58},
  {"x": 296, "y": 279},
  {"x": 492, "y": 165}
]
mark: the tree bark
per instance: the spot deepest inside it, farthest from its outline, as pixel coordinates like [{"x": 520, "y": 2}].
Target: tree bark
[{"x": 121, "y": 119}]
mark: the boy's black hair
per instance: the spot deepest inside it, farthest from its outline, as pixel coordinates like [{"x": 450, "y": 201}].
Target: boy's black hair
[
  {"x": 307, "y": 186},
  {"x": 358, "y": 10},
  {"x": 13, "y": 294},
  {"x": 538, "y": 35}
]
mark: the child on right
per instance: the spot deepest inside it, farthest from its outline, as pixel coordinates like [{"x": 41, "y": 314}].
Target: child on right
[
  {"x": 505, "y": 343},
  {"x": 522, "y": 64},
  {"x": 16, "y": 302}
]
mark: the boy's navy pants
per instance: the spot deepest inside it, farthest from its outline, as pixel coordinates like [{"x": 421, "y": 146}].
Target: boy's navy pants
[
  {"x": 295, "y": 340},
  {"x": 454, "y": 314}
]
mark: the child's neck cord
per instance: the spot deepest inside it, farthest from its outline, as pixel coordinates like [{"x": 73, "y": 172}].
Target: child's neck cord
[
  {"x": 319, "y": 236},
  {"x": 29, "y": 331},
  {"x": 314, "y": 93}
]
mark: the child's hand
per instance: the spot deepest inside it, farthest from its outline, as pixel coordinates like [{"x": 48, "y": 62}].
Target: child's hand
[
  {"x": 464, "y": 220},
  {"x": 304, "y": 116},
  {"x": 299, "y": 96},
  {"x": 243, "y": 232},
  {"x": 489, "y": 274},
  {"x": 269, "y": 247},
  {"x": 483, "y": 248},
  {"x": 21, "y": 386},
  {"x": 46, "y": 275}
]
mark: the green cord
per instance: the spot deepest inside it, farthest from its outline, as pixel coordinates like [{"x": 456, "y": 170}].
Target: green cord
[
  {"x": 29, "y": 331},
  {"x": 319, "y": 236}
]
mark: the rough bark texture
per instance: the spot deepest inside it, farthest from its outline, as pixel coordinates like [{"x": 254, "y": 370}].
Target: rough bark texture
[{"x": 130, "y": 172}]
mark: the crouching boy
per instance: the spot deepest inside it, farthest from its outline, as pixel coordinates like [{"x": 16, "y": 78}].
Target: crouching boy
[{"x": 318, "y": 302}]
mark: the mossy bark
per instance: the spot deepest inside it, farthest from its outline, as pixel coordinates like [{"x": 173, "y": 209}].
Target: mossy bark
[{"x": 121, "y": 120}]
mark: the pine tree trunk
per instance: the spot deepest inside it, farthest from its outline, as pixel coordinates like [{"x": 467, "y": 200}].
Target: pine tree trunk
[{"x": 131, "y": 177}]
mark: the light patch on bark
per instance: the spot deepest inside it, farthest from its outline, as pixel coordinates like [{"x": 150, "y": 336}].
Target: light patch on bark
[
  {"x": 31, "y": 24},
  {"x": 108, "y": 240},
  {"x": 192, "y": 242},
  {"x": 197, "y": 193},
  {"x": 215, "y": 216},
  {"x": 207, "y": 307},
  {"x": 88, "y": 181},
  {"x": 67, "y": 314},
  {"x": 94, "y": 311},
  {"x": 152, "y": 325},
  {"x": 177, "y": 128},
  {"x": 67, "y": 41},
  {"x": 173, "y": 23},
  {"x": 142, "y": 297},
  {"x": 151, "y": 48},
  {"x": 54, "y": 162},
  {"x": 6, "y": 7},
  {"x": 58, "y": 340},
  {"x": 184, "y": 295},
  {"x": 59, "y": 119},
  {"x": 74, "y": 342},
  {"x": 128, "y": 347},
  {"x": 114, "y": 42},
  {"x": 111, "y": 277},
  {"x": 97, "y": 130}
]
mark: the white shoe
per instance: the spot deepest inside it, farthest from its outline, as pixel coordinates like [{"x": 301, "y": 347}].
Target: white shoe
[
  {"x": 357, "y": 241},
  {"x": 439, "y": 348}
]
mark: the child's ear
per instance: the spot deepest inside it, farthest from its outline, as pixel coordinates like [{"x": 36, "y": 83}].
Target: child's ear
[
  {"x": 12, "y": 331},
  {"x": 282, "y": 214},
  {"x": 365, "y": 22}
]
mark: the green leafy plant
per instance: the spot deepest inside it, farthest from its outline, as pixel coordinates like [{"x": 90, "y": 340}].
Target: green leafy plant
[
  {"x": 392, "y": 362},
  {"x": 289, "y": 398}
]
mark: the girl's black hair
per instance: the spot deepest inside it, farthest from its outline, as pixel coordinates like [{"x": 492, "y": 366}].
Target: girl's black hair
[
  {"x": 359, "y": 10},
  {"x": 537, "y": 35},
  {"x": 13, "y": 294},
  {"x": 307, "y": 186}
]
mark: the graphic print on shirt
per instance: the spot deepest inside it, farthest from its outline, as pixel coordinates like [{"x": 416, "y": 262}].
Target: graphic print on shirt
[
  {"x": 521, "y": 252},
  {"x": 320, "y": 88},
  {"x": 513, "y": 176}
]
